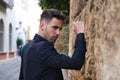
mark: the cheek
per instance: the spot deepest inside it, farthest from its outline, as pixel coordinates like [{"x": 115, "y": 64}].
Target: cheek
[{"x": 51, "y": 31}]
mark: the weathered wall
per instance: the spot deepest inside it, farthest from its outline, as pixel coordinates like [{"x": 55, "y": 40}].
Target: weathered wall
[{"x": 102, "y": 33}]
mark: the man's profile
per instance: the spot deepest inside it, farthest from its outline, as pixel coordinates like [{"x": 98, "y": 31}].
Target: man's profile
[{"x": 40, "y": 60}]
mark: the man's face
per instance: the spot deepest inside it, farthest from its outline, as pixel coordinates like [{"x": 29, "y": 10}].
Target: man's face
[{"x": 52, "y": 29}]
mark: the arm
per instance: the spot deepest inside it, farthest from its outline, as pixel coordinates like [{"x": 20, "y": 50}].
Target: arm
[
  {"x": 80, "y": 44},
  {"x": 51, "y": 58}
]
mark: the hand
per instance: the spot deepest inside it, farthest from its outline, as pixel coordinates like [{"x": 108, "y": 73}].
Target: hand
[{"x": 78, "y": 27}]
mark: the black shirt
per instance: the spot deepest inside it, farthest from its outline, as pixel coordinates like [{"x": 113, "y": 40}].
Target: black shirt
[{"x": 41, "y": 61}]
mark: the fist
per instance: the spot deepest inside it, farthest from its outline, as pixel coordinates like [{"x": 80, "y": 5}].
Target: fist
[{"x": 78, "y": 27}]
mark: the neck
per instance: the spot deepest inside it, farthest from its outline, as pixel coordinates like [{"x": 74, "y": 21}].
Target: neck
[{"x": 40, "y": 33}]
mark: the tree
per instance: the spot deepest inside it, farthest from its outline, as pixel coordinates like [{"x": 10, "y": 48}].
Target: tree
[
  {"x": 19, "y": 42},
  {"x": 62, "y": 5}
]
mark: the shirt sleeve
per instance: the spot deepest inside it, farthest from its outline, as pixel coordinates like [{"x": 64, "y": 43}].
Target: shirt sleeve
[{"x": 49, "y": 56}]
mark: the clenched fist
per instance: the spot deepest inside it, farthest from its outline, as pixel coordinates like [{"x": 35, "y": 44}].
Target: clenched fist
[{"x": 78, "y": 27}]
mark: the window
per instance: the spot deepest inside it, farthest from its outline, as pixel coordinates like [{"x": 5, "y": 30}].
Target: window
[
  {"x": 1, "y": 35},
  {"x": 10, "y": 37}
]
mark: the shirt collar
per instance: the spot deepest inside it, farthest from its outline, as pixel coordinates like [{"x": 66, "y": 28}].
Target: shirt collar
[{"x": 38, "y": 38}]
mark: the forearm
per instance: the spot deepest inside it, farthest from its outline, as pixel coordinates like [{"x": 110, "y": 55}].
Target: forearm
[
  {"x": 79, "y": 50},
  {"x": 51, "y": 58}
]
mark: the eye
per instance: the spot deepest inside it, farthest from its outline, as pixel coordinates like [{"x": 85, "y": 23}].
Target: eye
[{"x": 57, "y": 27}]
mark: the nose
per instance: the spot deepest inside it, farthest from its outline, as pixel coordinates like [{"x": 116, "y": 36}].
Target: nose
[{"x": 58, "y": 32}]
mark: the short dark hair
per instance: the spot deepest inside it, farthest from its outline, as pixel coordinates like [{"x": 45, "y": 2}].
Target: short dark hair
[{"x": 48, "y": 14}]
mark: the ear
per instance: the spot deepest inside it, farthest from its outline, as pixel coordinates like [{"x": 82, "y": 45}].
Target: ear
[{"x": 42, "y": 24}]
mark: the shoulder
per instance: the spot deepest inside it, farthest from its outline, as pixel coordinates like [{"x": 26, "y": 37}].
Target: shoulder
[
  {"x": 41, "y": 45},
  {"x": 44, "y": 43}
]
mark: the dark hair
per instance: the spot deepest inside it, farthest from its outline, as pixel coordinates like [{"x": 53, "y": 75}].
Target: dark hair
[{"x": 48, "y": 14}]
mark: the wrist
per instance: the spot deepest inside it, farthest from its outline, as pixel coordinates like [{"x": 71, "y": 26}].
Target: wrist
[{"x": 80, "y": 32}]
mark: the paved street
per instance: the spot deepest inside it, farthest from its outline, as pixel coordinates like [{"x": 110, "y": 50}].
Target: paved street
[{"x": 9, "y": 69}]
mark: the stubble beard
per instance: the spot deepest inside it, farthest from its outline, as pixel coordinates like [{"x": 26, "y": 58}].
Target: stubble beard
[{"x": 49, "y": 38}]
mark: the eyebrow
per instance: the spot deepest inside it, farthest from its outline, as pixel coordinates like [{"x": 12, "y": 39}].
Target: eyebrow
[{"x": 57, "y": 27}]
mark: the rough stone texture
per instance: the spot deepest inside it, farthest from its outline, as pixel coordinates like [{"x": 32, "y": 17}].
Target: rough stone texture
[{"x": 102, "y": 33}]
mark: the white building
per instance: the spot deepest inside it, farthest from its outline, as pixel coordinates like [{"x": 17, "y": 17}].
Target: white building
[
  {"x": 7, "y": 45},
  {"x": 15, "y": 18},
  {"x": 34, "y": 12}
]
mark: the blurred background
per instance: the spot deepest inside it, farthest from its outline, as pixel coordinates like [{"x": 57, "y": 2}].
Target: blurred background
[{"x": 19, "y": 21}]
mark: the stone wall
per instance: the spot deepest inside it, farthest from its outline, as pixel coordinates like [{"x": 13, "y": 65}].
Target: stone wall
[{"x": 102, "y": 33}]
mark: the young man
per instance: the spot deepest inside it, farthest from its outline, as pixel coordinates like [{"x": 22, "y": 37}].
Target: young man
[{"x": 40, "y": 60}]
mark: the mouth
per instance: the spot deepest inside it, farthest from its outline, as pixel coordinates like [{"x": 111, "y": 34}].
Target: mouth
[{"x": 55, "y": 37}]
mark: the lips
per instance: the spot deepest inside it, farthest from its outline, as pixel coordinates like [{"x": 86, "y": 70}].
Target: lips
[{"x": 55, "y": 38}]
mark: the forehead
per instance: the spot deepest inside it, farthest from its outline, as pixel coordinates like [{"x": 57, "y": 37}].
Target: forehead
[{"x": 56, "y": 22}]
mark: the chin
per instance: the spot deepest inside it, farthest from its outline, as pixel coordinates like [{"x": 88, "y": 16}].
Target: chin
[{"x": 53, "y": 41}]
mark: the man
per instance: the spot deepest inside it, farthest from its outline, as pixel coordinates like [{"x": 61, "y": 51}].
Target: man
[{"x": 40, "y": 60}]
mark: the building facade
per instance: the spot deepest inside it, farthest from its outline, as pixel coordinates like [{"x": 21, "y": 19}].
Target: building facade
[
  {"x": 13, "y": 25},
  {"x": 18, "y": 19},
  {"x": 6, "y": 31}
]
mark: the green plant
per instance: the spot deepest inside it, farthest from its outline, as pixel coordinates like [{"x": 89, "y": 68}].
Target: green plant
[
  {"x": 62, "y": 5},
  {"x": 19, "y": 42}
]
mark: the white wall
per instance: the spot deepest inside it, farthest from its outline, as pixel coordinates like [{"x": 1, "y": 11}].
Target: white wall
[
  {"x": 34, "y": 15},
  {"x": 25, "y": 11},
  {"x": 10, "y": 18},
  {"x": 21, "y": 16},
  {"x": 3, "y": 17}
]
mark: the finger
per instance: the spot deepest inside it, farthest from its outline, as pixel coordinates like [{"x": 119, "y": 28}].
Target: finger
[{"x": 73, "y": 25}]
